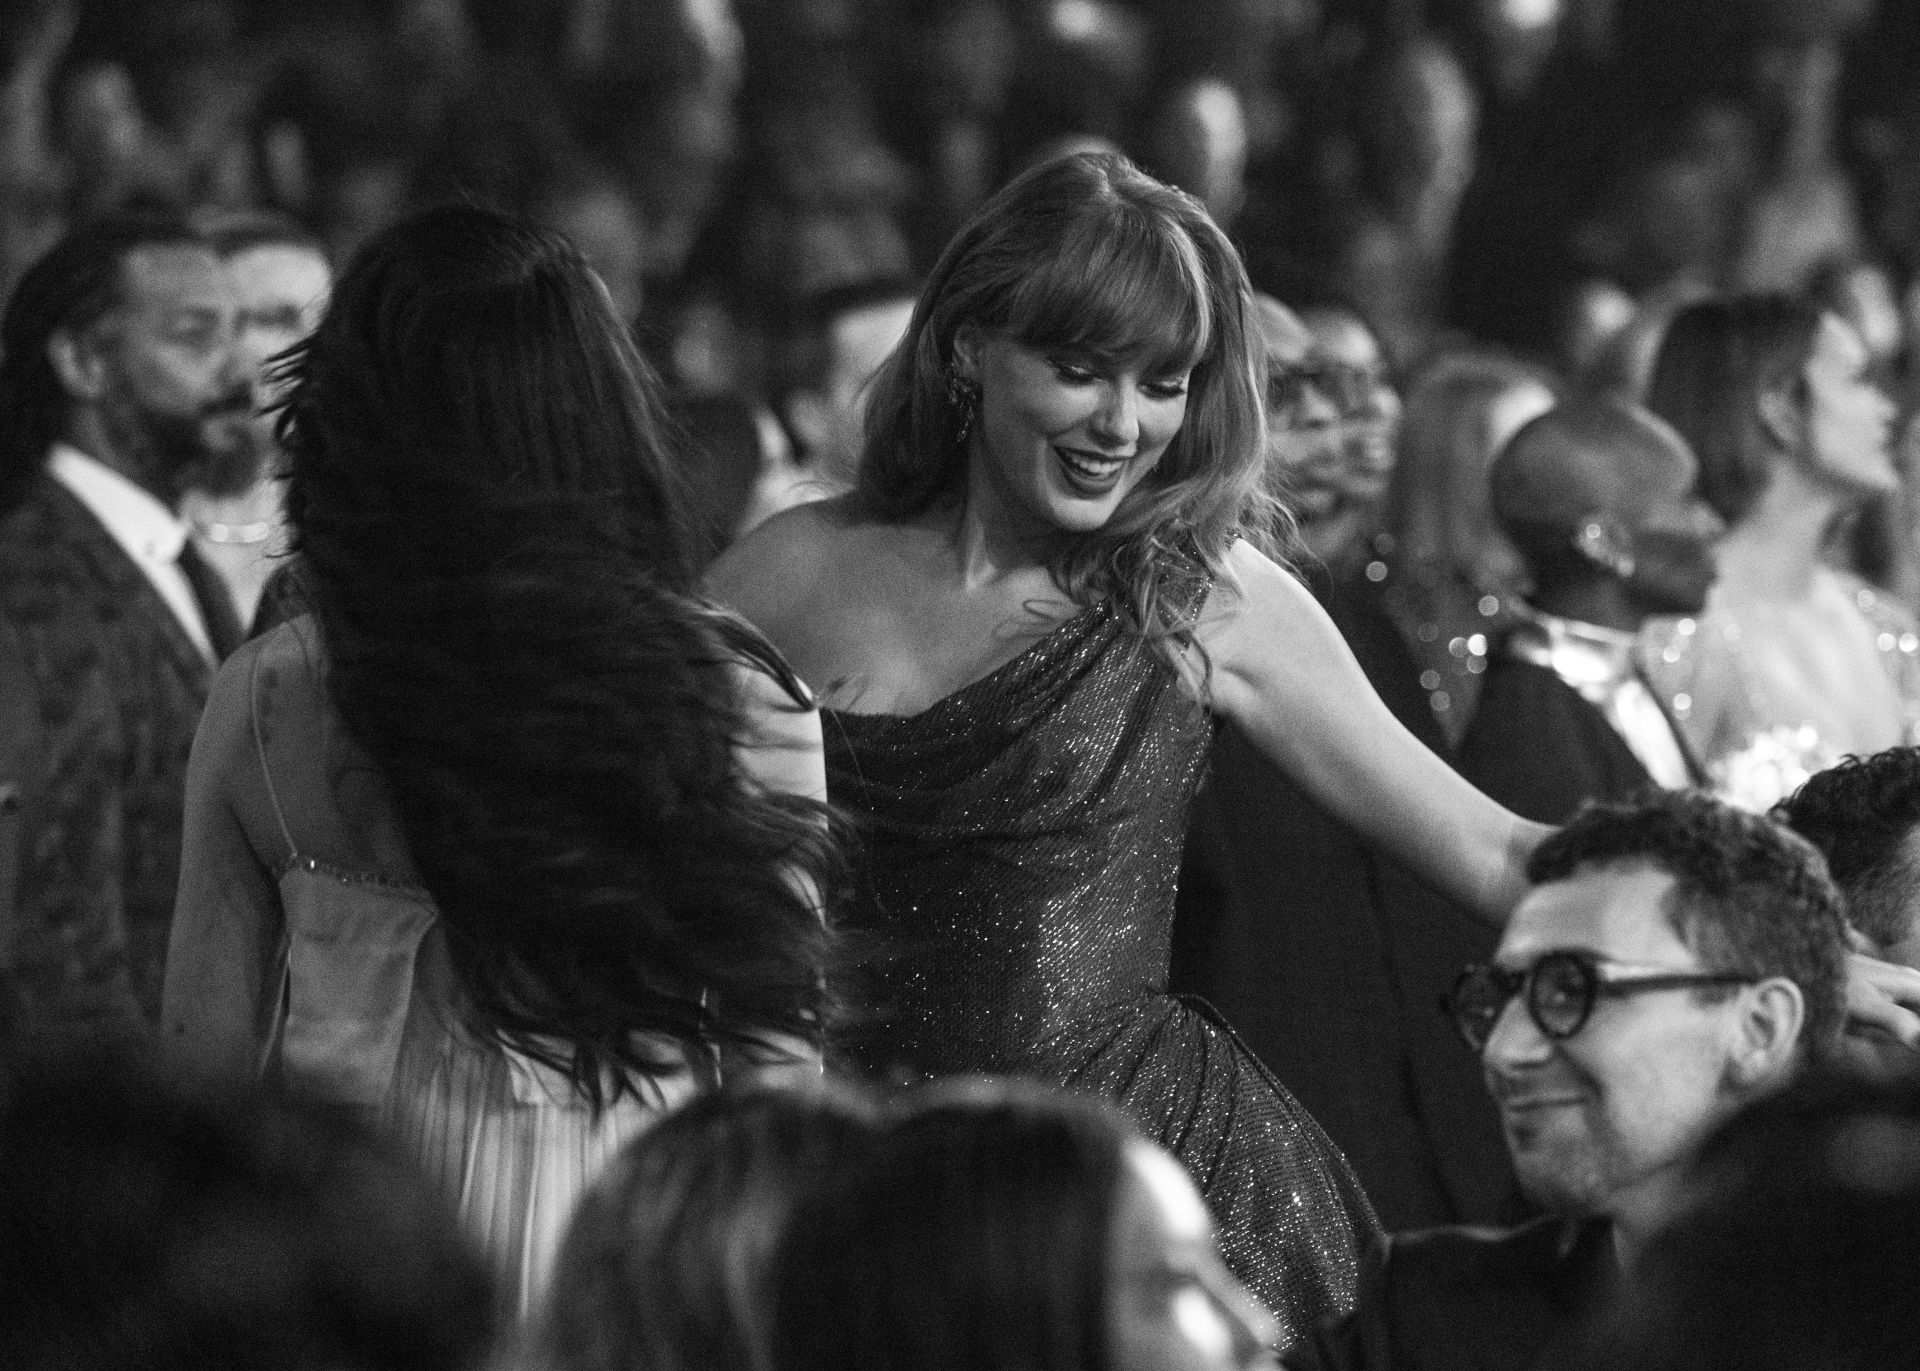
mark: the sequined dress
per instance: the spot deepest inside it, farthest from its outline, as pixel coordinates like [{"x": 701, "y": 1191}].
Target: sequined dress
[
  {"x": 1756, "y": 731},
  {"x": 1023, "y": 839}
]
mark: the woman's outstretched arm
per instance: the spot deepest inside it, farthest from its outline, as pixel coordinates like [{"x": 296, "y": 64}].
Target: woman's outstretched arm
[{"x": 1282, "y": 673}]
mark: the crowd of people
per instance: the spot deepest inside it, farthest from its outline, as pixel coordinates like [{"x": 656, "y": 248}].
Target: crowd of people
[{"x": 990, "y": 684}]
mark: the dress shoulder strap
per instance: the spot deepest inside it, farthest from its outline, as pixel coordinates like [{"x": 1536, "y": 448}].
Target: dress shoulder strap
[{"x": 260, "y": 751}]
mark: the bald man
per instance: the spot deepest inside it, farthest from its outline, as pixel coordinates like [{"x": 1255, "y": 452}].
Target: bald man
[{"x": 1597, "y": 496}]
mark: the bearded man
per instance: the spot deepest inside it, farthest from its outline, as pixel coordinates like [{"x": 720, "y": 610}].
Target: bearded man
[{"x": 120, "y": 389}]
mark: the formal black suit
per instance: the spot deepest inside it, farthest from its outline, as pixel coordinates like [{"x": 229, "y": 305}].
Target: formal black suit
[
  {"x": 1329, "y": 959},
  {"x": 118, "y": 688},
  {"x": 1538, "y": 747},
  {"x": 1461, "y": 1299}
]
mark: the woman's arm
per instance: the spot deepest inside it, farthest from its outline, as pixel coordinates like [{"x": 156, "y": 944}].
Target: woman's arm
[
  {"x": 227, "y": 919},
  {"x": 780, "y": 752},
  {"x": 1282, "y": 673}
]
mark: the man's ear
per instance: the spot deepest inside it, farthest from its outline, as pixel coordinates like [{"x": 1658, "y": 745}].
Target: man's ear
[
  {"x": 1767, "y": 1031},
  {"x": 1781, "y": 417},
  {"x": 79, "y": 365}
]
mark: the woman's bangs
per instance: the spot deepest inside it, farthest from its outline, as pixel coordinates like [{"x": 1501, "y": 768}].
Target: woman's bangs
[{"x": 1140, "y": 296}]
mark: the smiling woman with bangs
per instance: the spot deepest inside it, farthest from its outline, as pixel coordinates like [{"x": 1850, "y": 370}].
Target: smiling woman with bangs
[{"x": 1057, "y": 566}]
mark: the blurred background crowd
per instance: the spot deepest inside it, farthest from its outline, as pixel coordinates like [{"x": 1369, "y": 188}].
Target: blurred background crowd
[
  {"x": 1548, "y": 178},
  {"x": 1523, "y": 172}
]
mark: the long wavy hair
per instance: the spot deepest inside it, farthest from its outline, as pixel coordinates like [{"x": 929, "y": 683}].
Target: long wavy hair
[
  {"x": 481, "y": 495},
  {"x": 1086, "y": 252},
  {"x": 1716, "y": 361}
]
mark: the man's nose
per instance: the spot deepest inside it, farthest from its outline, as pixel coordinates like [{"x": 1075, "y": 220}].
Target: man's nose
[
  {"x": 1314, "y": 408},
  {"x": 1516, "y": 1040}
]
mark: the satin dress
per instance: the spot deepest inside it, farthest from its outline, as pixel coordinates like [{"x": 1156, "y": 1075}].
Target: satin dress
[{"x": 1021, "y": 846}]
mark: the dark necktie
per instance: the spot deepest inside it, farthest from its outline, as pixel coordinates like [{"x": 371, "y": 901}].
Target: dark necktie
[{"x": 216, "y": 603}]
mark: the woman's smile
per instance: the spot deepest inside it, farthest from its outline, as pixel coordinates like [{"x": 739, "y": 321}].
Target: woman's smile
[
  {"x": 1065, "y": 436},
  {"x": 1094, "y": 472}
]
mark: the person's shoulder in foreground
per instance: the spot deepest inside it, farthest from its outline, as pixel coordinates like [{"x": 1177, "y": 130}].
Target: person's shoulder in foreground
[{"x": 1459, "y": 1297}]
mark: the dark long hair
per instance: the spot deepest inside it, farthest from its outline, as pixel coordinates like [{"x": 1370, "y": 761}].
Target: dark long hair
[
  {"x": 667, "y": 1259},
  {"x": 1087, "y": 251},
  {"x": 975, "y": 1237},
  {"x": 480, "y": 492},
  {"x": 1716, "y": 360}
]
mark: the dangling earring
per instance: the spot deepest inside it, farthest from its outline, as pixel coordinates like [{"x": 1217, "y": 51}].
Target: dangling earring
[
  {"x": 1599, "y": 544},
  {"x": 963, "y": 398}
]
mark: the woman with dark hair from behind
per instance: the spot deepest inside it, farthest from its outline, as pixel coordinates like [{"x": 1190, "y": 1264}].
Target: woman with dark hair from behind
[
  {"x": 667, "y": 1263},
  {"x": 999, "y": 1226},
  {"x": 511, "y": 842}
]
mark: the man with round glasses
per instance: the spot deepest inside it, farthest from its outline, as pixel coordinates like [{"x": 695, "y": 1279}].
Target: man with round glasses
[{"x": 1676, "y": 959}]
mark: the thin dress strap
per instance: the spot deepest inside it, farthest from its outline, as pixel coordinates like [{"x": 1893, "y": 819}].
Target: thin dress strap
[{"x": 260, "y": 751}]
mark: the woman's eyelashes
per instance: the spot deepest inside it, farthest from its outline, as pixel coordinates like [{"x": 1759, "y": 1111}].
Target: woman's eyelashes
[{"x": 1170, "y": 387}]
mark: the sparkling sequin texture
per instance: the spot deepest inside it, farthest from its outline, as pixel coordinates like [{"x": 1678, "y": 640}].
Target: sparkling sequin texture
[{"x": 1022, "y": 841}]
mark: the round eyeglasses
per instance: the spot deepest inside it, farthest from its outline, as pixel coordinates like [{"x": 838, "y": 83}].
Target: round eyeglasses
[
  {"x": 1559, "y": 990},
  {"x": 1352, "y": 391}
]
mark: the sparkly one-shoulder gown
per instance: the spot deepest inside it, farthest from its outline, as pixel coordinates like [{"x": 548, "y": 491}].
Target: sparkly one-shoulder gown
[{"x": 1022, "y": 842}]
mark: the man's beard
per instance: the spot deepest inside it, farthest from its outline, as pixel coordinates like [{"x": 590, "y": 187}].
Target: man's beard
[{"x": 219, "y": 449}]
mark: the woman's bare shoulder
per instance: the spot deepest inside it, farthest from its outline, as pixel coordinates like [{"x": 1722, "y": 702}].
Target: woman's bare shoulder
[
  {"x": 763, "y": 569},
  {"x": 270, "y": 678},
  {"x": 801, "y": 564}
]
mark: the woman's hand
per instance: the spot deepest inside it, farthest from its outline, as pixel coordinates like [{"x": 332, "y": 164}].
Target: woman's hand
[{"x": 1883, "y": 1003}]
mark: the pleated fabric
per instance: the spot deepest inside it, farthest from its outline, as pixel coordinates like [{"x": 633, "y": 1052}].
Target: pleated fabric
[{"x": 372, "y": 1021}]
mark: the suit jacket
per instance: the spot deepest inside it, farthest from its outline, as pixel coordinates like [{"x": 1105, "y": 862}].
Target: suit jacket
[
  {"x": 119, "y": 689},
  {"x": 1329, "y": 959},
  {"x": 1538, "y": 747},
  {"x": 1462, "y": 1299}
]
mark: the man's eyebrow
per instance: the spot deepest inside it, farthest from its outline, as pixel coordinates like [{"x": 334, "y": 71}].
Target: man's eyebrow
[{"x": 1534, "y": 954}]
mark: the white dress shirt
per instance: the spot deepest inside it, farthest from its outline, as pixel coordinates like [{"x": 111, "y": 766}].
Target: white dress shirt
[
  {"x": 150, "y": 533},
  {"x": 1599, "y": 663}
]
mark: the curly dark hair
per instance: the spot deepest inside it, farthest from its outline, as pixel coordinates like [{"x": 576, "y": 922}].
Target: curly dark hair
[
  {"x": 480, "y": 490},
  {"x": 1751, "y": 898},
  {"x": 1861, "y": 814}
]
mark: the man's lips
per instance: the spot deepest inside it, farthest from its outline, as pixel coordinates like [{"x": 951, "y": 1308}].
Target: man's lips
[{"x": 1516, "y": 1102}]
